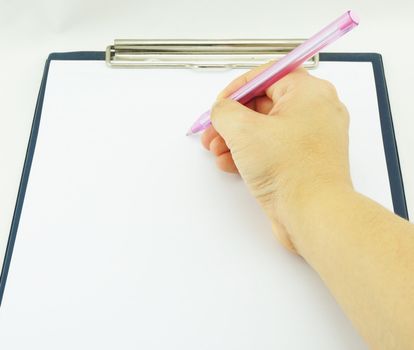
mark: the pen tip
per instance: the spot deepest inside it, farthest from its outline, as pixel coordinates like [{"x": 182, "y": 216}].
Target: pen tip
[{"x": 189, "y": 132}]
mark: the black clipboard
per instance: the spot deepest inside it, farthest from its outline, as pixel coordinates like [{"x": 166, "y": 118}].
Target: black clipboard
[{"x": 387, "y": 128}]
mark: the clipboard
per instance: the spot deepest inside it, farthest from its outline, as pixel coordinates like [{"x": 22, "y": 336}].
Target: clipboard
[{"x": 209, "y": 55}]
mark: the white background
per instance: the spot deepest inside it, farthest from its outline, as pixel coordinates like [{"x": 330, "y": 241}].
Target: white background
[{"x": 30, "y": 30}]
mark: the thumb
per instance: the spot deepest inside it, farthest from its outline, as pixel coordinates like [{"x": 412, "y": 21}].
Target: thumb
[{"x": 231, "y": 119}]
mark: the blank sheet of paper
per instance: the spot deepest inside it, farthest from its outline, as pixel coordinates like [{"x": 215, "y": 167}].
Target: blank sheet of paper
[{"x": 130, "y": 238}]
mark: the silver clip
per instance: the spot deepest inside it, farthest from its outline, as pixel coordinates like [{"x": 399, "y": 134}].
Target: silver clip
[{"x": 200, "y": 54}]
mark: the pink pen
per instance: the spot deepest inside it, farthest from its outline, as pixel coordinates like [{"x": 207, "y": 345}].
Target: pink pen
[{"x": 284, "y": 66}]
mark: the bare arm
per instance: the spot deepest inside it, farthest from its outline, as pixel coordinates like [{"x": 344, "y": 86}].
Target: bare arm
[
  {"x": 365, "y": 255},
  {"x": 290, "y": 146}
]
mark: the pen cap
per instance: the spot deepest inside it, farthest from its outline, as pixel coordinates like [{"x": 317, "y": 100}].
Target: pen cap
[
  {"x": 349, "y": 18},
  {"x": 333, "y": 31},
  {"x": 288, "y": 63},
  {"x": 296, "y": 57}
]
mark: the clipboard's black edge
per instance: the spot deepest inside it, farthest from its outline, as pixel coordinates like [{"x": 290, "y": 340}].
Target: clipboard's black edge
[
  {"x": 77, "y": 56},
  {"x": 390, "y": 145},
  {"x": 81, "y": 55},
  {"x": 387, "y": 127},
  {"x": 23, "y": 181}
]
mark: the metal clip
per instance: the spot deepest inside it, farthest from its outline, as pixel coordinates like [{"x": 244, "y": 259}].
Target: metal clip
[{"x": 200, "y": 54}]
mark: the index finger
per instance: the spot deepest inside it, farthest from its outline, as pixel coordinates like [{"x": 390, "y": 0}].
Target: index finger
[
  {"x": 280, "y": 87},
  {"x": 243, "y": 79}
]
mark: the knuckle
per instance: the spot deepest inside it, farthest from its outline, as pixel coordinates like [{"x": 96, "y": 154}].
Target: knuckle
[
  {"x": 343, "y": 112},
  {"x": 217, "y": 107},
  {"x": 323, "y": 86},
  {"x": 328, "y": 87},
  {"x": 220, "y": 103}
]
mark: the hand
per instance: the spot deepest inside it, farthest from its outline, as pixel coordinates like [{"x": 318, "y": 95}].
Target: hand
[
  {"x": 287, "y": 144},
  {"x": 290, "y": 145}
]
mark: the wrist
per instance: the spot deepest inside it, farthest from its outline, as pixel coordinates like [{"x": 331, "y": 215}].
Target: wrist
[{"x": 305, "y": 207}]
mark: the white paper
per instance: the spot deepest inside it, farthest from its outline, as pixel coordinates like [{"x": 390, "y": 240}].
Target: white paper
[{"x": 130, "y": 238}]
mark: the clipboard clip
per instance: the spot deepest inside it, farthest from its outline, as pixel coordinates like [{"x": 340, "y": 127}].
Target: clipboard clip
[{"x": 200, "y": 54}]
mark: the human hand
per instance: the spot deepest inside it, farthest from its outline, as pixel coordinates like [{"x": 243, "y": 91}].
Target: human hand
[{"x": 288, "y": 144}]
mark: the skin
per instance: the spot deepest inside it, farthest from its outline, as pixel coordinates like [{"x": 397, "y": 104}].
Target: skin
[{"x": 290, "y": 146}]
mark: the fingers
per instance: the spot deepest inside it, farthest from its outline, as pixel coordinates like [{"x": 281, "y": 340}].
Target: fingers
[
  {"x": 212, "y": 141},
  {"x": 231, "y": 119},
  {"x": 274, "y": 91},
  {"x": 243, "y": 79},
  {"x": 281, "y": 87},
  {"x": 208, "y": 135},
  {"x": 218, "y": 146},
  {"x": 264, "y": 104},
  {"x": 261, "y": 104},
  {"x": 225, "y": 162}
]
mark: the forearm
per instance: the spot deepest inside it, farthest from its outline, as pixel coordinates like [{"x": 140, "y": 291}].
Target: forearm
[
  {"x": 285, "y": 145},
  {"x": 365, "y": 255}
]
